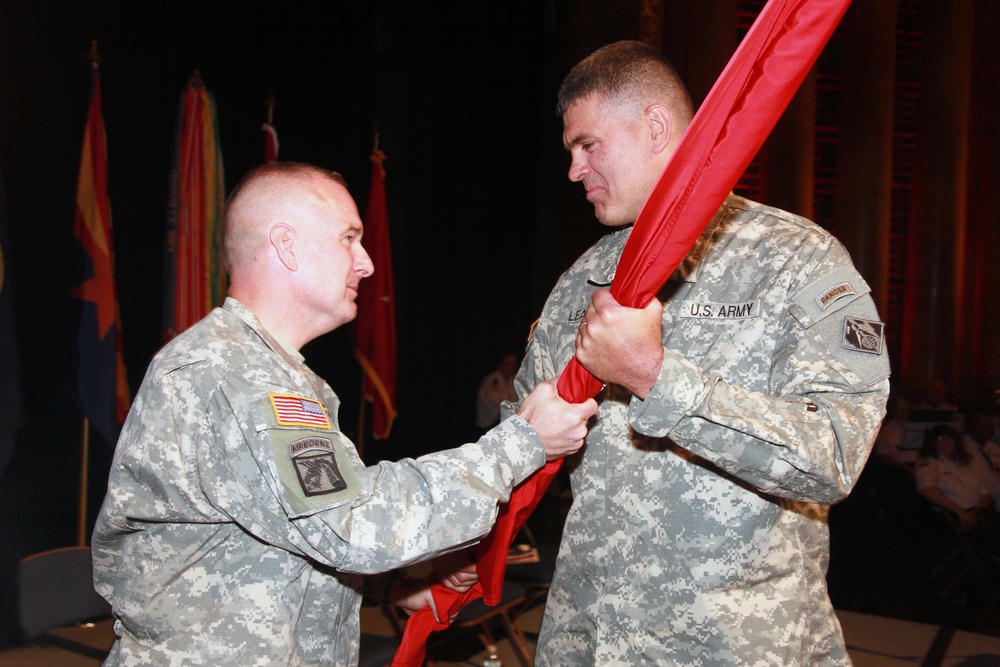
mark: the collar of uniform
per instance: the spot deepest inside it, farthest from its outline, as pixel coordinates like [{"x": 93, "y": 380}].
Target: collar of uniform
[
  {"x": 606, "y": 254},
  {"x": 609, "y": 250},
  {"x": 690, "y": 267},
  {"x": 245, "y": 314}
]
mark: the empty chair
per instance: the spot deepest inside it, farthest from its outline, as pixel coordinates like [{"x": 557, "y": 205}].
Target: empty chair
[{"x": 56, "y": 588}]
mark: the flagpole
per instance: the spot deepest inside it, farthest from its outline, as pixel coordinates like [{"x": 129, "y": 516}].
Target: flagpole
[{"x": 81, "y": 535}]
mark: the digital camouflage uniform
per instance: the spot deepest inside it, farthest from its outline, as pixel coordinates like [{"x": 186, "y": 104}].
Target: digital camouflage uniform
[
  {"x": 697, "y": 534},
  {"x": 238, "y": 516}
]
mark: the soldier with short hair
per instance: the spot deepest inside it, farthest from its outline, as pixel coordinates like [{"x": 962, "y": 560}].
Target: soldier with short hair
[
  {"x": 738, "y": 405},
  {"x": 238, "y": 517}
]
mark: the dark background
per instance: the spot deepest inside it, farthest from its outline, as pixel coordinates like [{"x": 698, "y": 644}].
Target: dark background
[
  {"x": 463, "y": 97},
  {"x": 481, "y": 214}
]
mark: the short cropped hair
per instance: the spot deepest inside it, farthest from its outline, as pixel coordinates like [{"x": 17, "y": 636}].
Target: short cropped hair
[
  {"x": 630, "y": 75},
  {"x": 252, "y": 195}
]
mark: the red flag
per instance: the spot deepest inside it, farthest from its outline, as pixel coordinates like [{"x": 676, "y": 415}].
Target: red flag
[
  {"x": 270, "y": 134},
  {"x": 375, "y": 326},
  {"x": 102, "y": 386},
  {"x": 728, "y": 130},
  {"x": 194, "y": 279},
  {"x": 270, "y": 143}
]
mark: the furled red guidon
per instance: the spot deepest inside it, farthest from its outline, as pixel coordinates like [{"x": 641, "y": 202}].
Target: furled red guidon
[{"x": 729, "y": 128}]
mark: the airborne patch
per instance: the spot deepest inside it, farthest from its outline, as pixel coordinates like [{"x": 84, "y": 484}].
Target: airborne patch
[
  {"x": 863, "y": 335},
  {"x": 316, "y": 466}
]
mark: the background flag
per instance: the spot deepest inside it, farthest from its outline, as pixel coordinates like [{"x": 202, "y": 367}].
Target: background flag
[
  {"x": 270, "y": 143},
  {"x": 102, "y": 387},
  {"x": 270, "y": 134},
  {"x": 729, "y": 128},
  {"x": 375, "y": 326},
  {"x": 194, "y": 279},
  {"x": 10, "y": 381}
]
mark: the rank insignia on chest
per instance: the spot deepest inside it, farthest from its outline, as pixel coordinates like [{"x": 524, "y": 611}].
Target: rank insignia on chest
[
  {"x": 292, "y": 410},
  {"x": 316, "y": 466},
  {"x": 863, "y": 335}
]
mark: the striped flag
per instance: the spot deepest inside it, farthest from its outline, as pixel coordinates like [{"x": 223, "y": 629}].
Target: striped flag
[
  {"x": 194, "y": 278},
  {"x": 102, "y": 386},
  {"x": 299, "y": 411}
]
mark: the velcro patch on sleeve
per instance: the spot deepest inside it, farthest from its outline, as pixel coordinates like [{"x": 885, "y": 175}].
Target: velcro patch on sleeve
[
  {"x": 826, "y": 295},
  {"x": 315, "y": 468},
  {"x": 315, "y": 465}
]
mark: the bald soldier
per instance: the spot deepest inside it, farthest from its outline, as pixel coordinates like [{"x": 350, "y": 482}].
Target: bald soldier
[{"x": 238, "y": 517}]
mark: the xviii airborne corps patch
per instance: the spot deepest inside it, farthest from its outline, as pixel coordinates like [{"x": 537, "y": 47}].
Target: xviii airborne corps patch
[{"x": 316, "y": 466}]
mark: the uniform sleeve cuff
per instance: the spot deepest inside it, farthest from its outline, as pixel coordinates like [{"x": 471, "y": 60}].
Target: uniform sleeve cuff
[
  {"x": 521, "y": 445},
  {"x": 678, "y": 387}
]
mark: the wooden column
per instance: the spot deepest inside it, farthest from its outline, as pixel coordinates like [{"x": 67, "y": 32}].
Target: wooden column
[
  {"x": 934, "y": 311},
  {"x": 864, "y": 153}
]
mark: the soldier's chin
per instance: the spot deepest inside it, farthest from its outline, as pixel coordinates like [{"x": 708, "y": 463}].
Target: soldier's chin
[{"x": 610, "y": 221}]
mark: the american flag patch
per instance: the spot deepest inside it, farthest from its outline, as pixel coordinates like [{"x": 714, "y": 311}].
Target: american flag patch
[{"x": 299, "y": 411}]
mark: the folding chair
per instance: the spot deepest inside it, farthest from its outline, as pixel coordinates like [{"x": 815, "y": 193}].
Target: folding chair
[
  {"x": 56, "y": 588},
  {"x": 478, "y": 615}
]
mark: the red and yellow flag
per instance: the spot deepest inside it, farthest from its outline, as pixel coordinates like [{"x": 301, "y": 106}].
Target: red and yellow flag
[
  {"x": 375, "y": 326},
  {"x": 102, "y": 385}
]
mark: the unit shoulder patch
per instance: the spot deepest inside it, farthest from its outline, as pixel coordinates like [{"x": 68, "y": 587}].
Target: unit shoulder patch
[
  {"x": 863, "y": 335},
  {"x": 315, "y": 463}
]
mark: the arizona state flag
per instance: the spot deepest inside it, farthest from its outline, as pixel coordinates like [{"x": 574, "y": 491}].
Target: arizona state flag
[
  {"x": 102, "y": 386},
  {"x": 194, "y": 279},
  {"x": 375, "y": 326}
]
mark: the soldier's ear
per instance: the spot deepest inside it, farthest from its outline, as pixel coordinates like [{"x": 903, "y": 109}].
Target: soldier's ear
[
  {"x": 659, "y": 126},
  {"x": 284, "y": 241}
]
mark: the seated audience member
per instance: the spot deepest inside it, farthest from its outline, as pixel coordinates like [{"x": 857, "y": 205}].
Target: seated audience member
[
  {"x": 951, "y": 479},
  {"x": 976, "y": 440},
  {"x": 991, "y": 450},
  {"x": 938, "y": 398},
  {"x": 889, "y": 443},
  {"x": 494, "y": 389}
]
